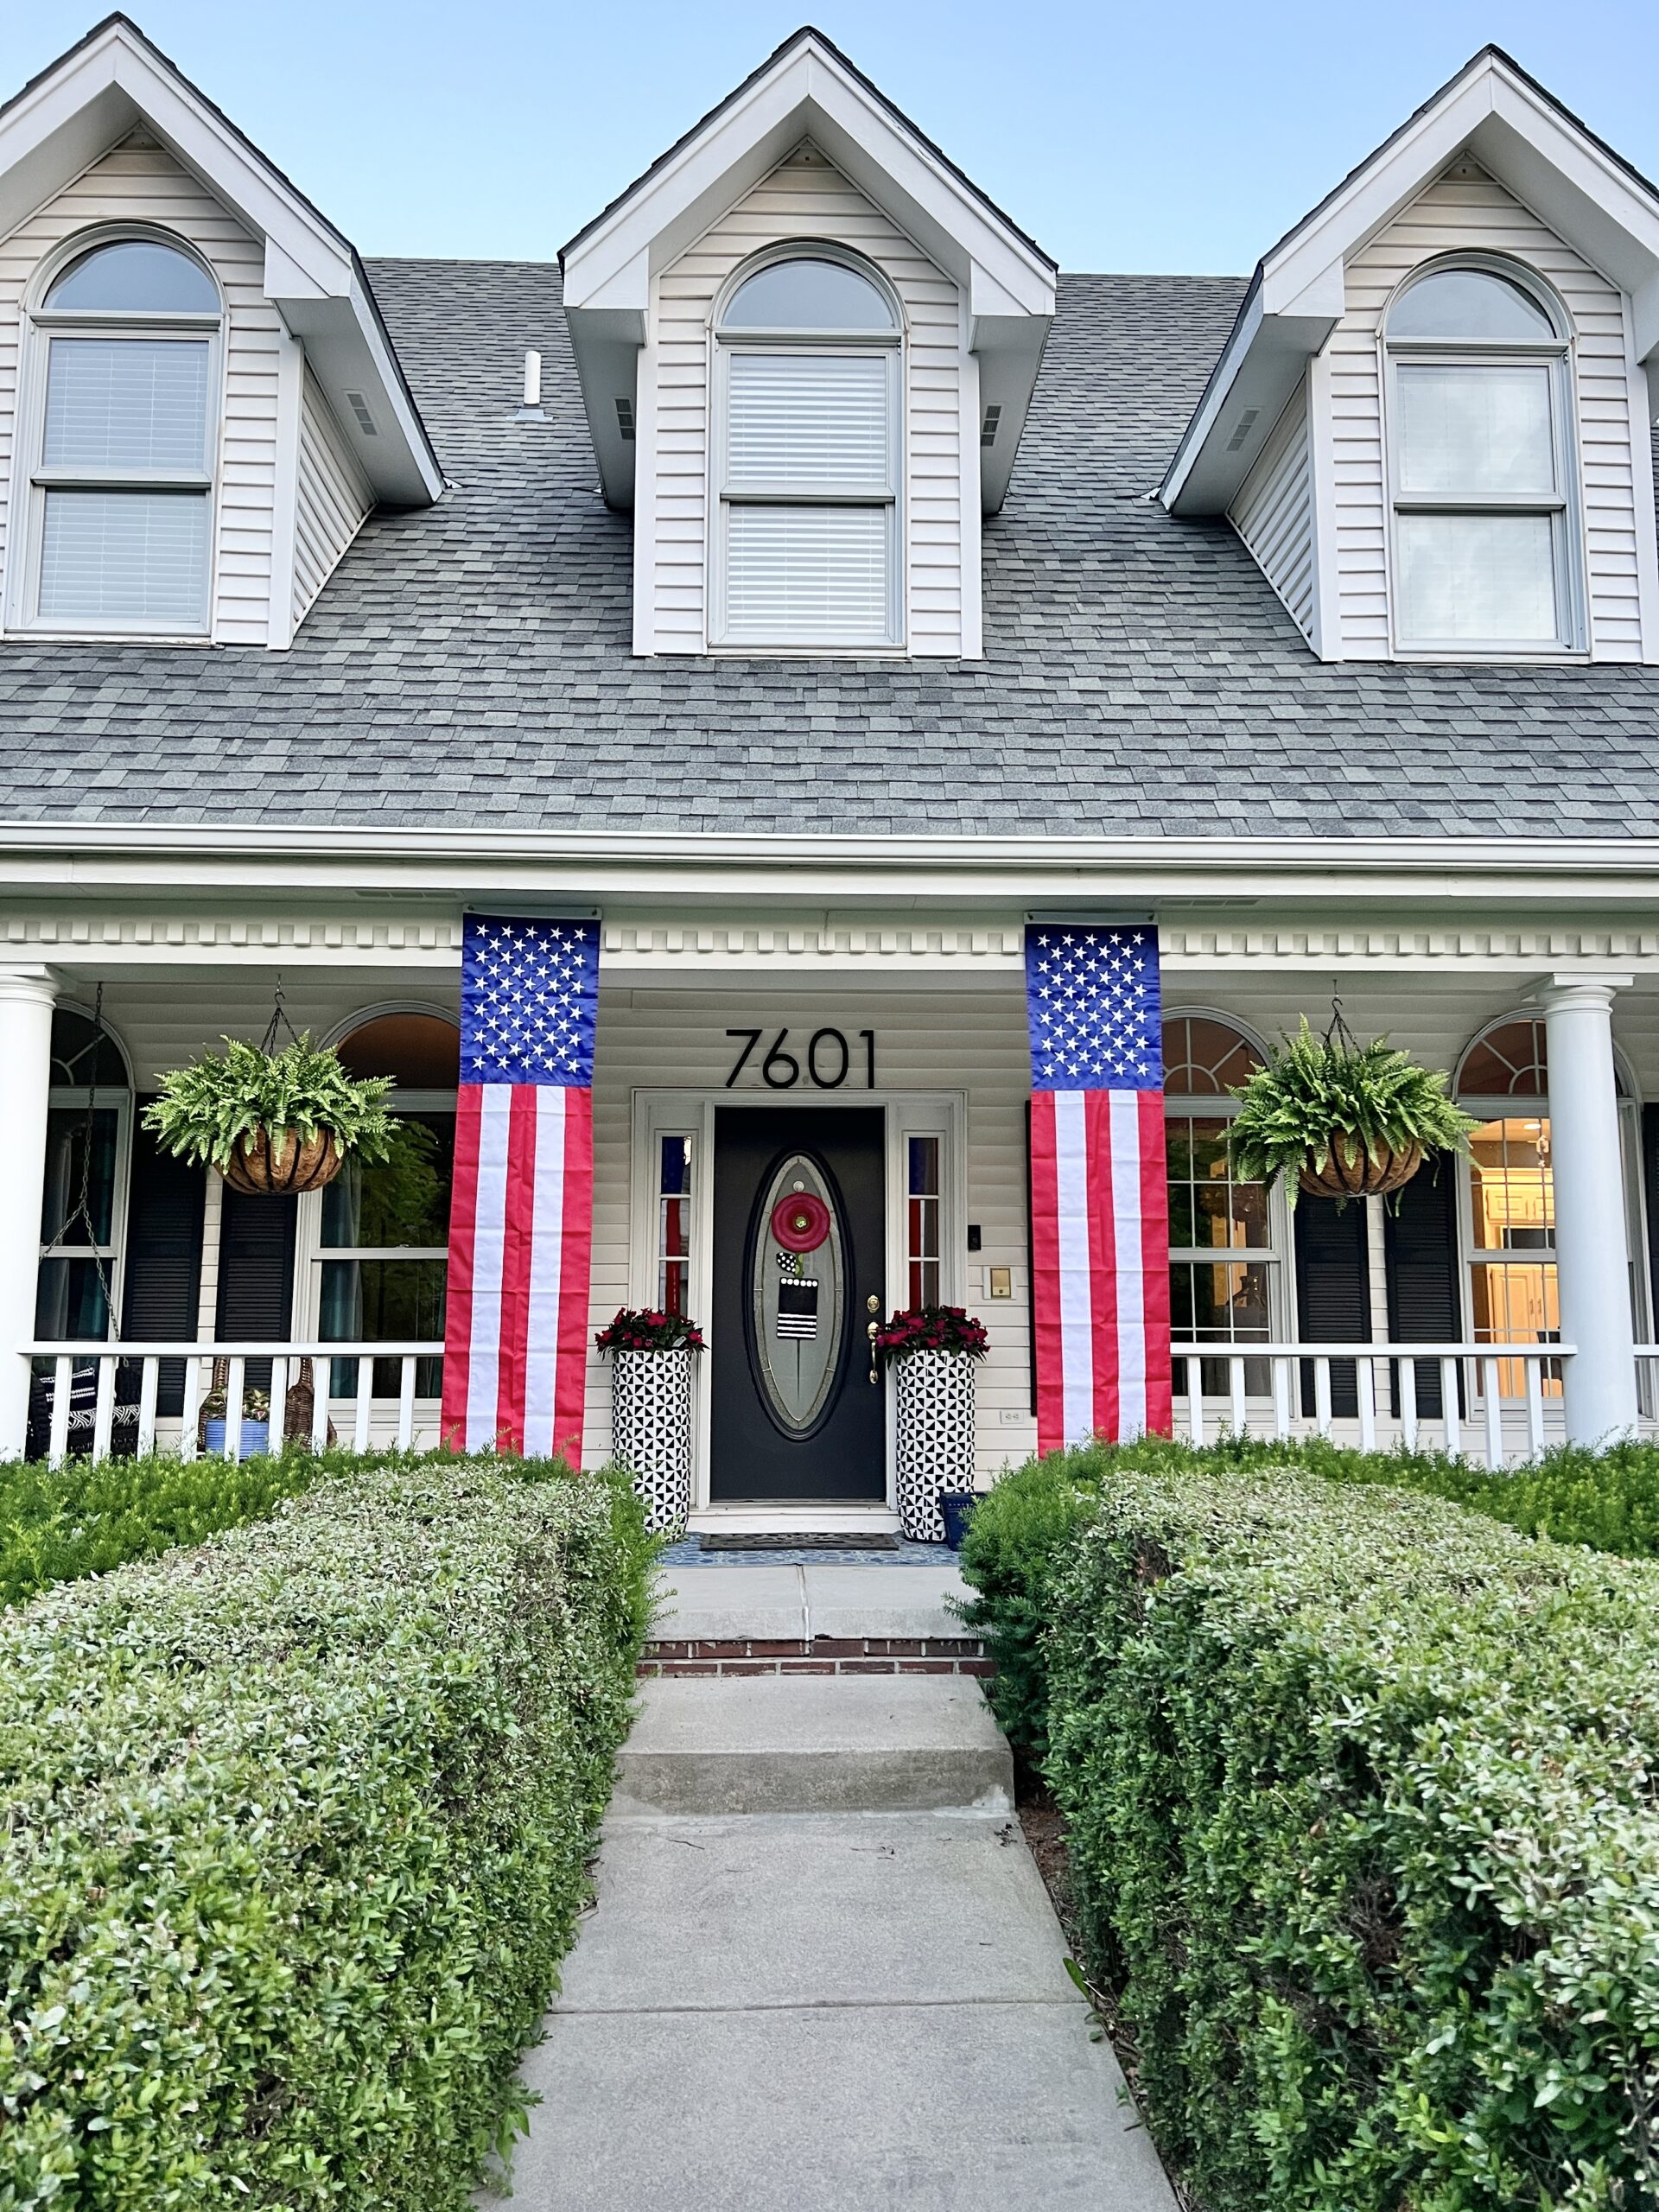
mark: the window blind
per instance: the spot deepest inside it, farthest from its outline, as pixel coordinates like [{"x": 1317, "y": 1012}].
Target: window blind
[
  {"x": 1479, "y": 577},
  {"x": 801, "y": 420},
  {"x": 127, "y": 402},
  {"x": 808, "y": 574},
  {"x": 1471, "y": 432},
  {"x": 124, "y": 556}
]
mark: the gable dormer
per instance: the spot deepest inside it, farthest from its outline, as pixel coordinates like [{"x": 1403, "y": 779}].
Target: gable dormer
[
  {"x": 205, "y": 407},
  {"x": 1431, "y": 424},
  {"x": 806, "y": 346}
]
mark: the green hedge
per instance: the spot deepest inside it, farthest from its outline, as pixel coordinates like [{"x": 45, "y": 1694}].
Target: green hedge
[
  {"x": 1608, "y": 1501},
  {"x": 296, "y": 1837},
  {"x": 1358, "y": 1792},
  {"x": 86, "y": 1517}
]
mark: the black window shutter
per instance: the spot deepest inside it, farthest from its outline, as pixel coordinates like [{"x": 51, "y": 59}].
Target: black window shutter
[
  {"x": 1425, "y": 1298},
  {"x": 162, "y": 1277},
  {"x": 256, "y": 1274},
  {"x": 1333, "y": 1301}
]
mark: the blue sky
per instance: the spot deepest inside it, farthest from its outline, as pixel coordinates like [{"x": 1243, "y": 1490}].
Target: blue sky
[{"x": 1184, "y": 136}]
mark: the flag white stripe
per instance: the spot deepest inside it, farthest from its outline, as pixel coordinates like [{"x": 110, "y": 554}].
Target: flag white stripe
[
  {"x": 1128, "y": 1260},
  {"x": 489, "y": 1251},
  {"x": 1077, "y": 1309},
  {"x": 546, "y": 1265}
]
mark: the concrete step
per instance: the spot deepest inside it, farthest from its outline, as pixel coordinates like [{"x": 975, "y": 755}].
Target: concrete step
[{"x": 813, "y": 1744}]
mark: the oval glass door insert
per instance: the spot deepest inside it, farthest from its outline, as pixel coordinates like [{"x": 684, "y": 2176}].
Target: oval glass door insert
[{"x": 798, "y": 1295}]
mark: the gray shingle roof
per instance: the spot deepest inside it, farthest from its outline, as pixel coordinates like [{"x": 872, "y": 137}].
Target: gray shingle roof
[{"x": 469, "y": 666}]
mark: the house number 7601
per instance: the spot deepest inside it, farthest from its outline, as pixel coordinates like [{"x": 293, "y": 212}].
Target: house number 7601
[{"x": 828, "y": 1060}]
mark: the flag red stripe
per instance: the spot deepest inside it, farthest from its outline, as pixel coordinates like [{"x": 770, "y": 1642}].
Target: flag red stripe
[
  {"x": 1103, "y": 1262},
  {"x": 574, "y": 1275},
  {"x": 1154, "y": 1240},
  {"x": 516, "y": 1349},
  {"x": 1045, "y": 1274},
  {"x": 458, "y": 1282}
]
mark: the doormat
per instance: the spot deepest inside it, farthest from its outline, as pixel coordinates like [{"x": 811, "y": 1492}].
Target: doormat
[{"x": 790, "y": 1540}]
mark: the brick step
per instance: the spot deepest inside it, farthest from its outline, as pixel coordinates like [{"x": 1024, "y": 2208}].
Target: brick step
[{"x": 818, "y": 1654}]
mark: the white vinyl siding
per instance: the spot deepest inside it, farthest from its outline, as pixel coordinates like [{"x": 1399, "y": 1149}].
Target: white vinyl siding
[
  {"x": 802, "y": 199},
  {"x": 332, "y": 500},
  {"x": 1476, "y": 214},
  {"x": 1274, "y": 513},
  {"x": 145, "y": 185}
]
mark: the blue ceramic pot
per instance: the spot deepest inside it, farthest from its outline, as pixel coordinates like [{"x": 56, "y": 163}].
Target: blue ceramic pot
[
  {"x": 256, "y": 1437},
  {"x": 956, "y": 1505}
]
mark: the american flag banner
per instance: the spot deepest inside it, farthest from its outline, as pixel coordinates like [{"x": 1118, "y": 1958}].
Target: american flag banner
[
  {"x": 521, "y": 1221},
  {"x": 1099, "y": 1201}
]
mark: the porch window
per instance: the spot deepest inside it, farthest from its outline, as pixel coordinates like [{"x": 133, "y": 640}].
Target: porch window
[
  {"x": 81, "y": 1251},
  {"x": 674, "y": 1223},
  {"x": 807, "y": 381},
  {"x": 1509, "y": 1197},
  {"x": 1481, "y": 458},
  {"x": 382, "y": 1231},
  {"x": 124, "y": 442},
  {"x": 1226, "y": 1259}
]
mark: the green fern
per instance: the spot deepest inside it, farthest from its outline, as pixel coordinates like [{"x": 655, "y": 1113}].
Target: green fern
[
  {"x": 1311, "y": 1097},
  {"x": 204, "y": 1111}
]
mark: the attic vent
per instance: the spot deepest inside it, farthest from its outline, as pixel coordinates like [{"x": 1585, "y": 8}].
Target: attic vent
[
  {"x": 1245, "y": 424},
  {"x": 988, "y": 429},
  {"x": 625, "y": 419},
  {"x": 359, "y": 407}
]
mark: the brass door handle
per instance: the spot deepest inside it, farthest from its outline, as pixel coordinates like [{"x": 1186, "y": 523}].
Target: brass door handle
[{"x": 871, "y": 1332}]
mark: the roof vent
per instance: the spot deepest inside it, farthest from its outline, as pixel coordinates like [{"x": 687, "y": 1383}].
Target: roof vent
[
  {"x": 1245, "y": 424},
  {"x": 988, "y": 429},
  {"x": 359, "y": 407},
  {"x": 625, "y": 419},
  {"x": 530, "y": 407}
]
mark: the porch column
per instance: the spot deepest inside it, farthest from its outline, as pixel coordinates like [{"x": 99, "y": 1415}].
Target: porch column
[
  {"x": 26, "y": 996},
  {"x": 1591, "y": 1263}
]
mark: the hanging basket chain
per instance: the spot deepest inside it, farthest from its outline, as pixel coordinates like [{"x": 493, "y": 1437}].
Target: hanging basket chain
[
  {"x": 82, "y": 1211},
  {"x": 279, "y": 1019}
]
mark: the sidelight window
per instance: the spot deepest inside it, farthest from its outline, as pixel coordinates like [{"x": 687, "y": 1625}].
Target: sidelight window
[
  {"x": 121, "y": 472},
  {"x": 1482, "y": 458},
  {"x": 807, "y": 378}
]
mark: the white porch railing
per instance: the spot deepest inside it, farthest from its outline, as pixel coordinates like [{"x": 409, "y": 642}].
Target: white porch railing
[
  {"x": 1481, "y": 1413},
  {"x": 356, "y": 1407}
]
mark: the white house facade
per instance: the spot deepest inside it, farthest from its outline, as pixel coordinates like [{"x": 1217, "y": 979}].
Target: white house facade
[{"x": 841, "y": 590}]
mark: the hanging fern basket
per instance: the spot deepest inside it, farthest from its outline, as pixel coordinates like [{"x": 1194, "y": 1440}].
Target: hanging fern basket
[
  {"x": 275, "y": 1164},
  {"x": 1368, "y": 1175}
]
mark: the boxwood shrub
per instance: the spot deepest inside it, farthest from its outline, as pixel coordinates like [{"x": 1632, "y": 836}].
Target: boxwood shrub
[
  {"x": 1608, "y": 1501},
  {"x": 1359, "y": 1794},
  {"x": 296, "y": 1826}
]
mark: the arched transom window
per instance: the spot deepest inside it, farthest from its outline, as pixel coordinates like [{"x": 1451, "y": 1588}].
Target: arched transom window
[
  {"x": 808, "y": 376},
  {"x": 1481, "y": 447},
  {"x": 121, "y": 470}
]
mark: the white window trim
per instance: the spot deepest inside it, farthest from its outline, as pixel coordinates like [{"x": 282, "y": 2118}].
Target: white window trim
[
  {"x": 1561, "y": 353},
  {"x": 73, "y": 1099},
  {"x": 38, "y": 327},
  {"x": 658, "y": 1114},
  {"x": 1527, "y": 1106},
  {"x": 895, "y": 343}
]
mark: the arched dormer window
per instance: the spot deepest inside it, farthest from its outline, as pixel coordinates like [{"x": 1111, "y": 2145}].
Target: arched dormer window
[
  {"x": 125, "y": 370},
  {"x": 808, "y": 373},
  {"x": 1481, "y": 461}
]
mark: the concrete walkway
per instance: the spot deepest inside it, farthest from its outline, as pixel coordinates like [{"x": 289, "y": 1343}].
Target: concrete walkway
[{"x": 822, "y": 1974}]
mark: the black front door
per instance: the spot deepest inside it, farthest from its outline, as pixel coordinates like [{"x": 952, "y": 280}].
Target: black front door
[{"x": 799, "y": 1240}]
